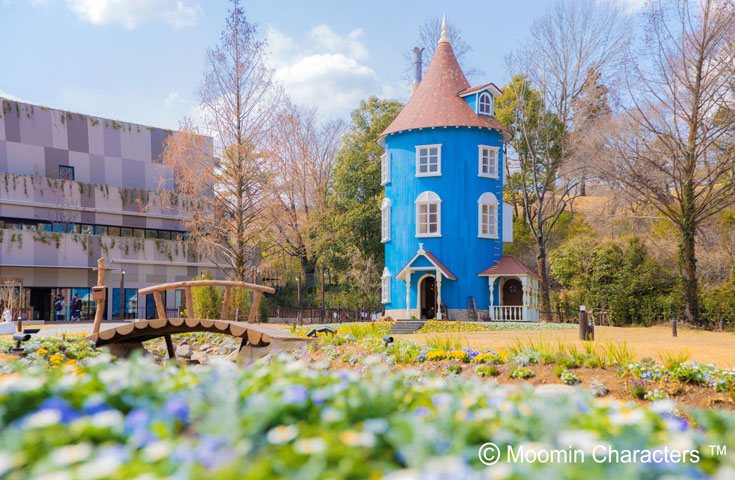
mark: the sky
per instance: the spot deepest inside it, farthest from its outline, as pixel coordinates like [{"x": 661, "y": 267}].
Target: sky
[{"x": 142, "y": 61}]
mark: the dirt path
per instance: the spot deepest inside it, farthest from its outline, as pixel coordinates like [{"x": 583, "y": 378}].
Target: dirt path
[{"x": 705, "y": 347}]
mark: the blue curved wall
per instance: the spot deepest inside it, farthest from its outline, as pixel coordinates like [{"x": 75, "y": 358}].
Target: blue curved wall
[{"x": 459, "y": 188}]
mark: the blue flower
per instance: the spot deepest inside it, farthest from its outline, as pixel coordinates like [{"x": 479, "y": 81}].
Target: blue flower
[
  {"x": 67, "y": 412},
  {"x": 95, "y": 406},
  {"x": 177, "y": 408}
]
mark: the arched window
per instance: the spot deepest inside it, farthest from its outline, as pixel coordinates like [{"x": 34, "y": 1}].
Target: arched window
[
  {"x": 487, "y": 216},
  {"x": 385, "y": 286},
  {"x": 385, "y": 221},
  {"x": 485, "y": 105},
  {"x": 428, "y": 215}
]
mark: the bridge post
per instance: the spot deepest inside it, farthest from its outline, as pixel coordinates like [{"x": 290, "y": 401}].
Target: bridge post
[
  {"x": 226, "y": 302},
  {"x": 254, "y": 308},
  {"x": 189, "y": 303},
  {"x": 101, "y": 270}
]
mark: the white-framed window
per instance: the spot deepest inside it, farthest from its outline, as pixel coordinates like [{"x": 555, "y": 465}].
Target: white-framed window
[
  {"x": 487, "y": 216},
  {"x": 487, "y": 162},
  {"x": 385, "y": 286},
  {"x": 428, "y": 215},
  {"x": 385, "y": 168},
  {"x": 485, "y": 104},
  {"x": 385, "y": 221},
  {"x": 428, "y": 160}
]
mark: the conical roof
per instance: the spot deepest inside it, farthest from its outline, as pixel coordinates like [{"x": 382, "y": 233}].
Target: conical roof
[{"x": 436, "y": 101}]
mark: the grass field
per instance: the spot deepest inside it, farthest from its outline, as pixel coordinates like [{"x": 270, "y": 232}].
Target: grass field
[{"x": 704, "y": 347}]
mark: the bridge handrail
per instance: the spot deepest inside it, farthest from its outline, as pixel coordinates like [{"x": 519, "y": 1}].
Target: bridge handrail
[{"x": 205, "y": 283}]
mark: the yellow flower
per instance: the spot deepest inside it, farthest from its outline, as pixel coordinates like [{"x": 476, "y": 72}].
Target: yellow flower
[
  {"x": 41, "y": 351},
  {"x": 56, "y": 358},
  {"x": 70, "y": 363}
]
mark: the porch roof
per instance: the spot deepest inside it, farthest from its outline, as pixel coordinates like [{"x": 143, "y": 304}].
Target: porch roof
[
  {"x": 507, "y": 265},
  {"x": 401, "y": 275}
]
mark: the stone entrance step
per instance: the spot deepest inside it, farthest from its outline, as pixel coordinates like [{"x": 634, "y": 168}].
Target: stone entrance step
[{"x": 405, "y": 327}]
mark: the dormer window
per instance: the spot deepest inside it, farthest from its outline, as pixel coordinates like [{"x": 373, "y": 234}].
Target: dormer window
[
  {"x": 428, "y": 160},
  {"x": 485, "y": 105}
]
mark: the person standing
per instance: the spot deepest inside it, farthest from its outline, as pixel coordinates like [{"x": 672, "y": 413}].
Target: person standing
[
  {"x": 59, "y": 305},
  {"x": 76, "y": 308}
]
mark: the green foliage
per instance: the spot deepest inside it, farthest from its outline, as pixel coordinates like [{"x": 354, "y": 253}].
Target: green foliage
[
  {"x": 444, "y": 342},
  {"x": 207, "y": 300},
  {"x": 352, "y": 217},
  {"x": 521, "y": 372},
  {"x": 569, "y": 378},
  {"x": 488, "y": 370},
  {"x": 454, "y": 369},
  {"x": 615, "y": 275}
]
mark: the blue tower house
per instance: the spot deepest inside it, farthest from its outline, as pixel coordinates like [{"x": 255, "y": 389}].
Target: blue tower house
[{"x": 443, "y": 220}]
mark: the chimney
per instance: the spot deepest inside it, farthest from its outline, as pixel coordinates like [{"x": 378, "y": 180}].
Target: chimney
[{"x": 417, "y": 68}]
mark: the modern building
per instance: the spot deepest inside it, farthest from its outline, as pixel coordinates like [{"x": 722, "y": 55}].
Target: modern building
[
  {"x": 443, "y": 217},
  {"x": 74, "y": 188}
]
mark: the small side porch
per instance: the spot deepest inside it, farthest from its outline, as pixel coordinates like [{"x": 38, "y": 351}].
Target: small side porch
[{"x": 514, "y": 291}]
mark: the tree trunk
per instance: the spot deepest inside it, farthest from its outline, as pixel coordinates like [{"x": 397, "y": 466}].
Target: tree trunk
[
  {"x": 583, "y": 187},
  {"x": 688, "y": 264},
  {"x": 543, "y": 273}
]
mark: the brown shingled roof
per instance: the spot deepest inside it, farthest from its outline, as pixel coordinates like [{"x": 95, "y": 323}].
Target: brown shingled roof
[
  {"x": 508, "y": 265},
  {"x": 436, "y": 102}
]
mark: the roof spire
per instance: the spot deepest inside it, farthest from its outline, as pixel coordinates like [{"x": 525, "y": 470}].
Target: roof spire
[{"x": 445, "y": 37}]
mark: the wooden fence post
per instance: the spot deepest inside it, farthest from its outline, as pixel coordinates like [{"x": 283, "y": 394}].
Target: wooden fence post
[
  {"x": 673, "y": 326},
  {"x": 582, "y": 322}
]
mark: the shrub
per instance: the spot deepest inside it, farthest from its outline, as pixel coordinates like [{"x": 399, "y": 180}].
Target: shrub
[
  {"x": 655, "y": 395},
  {"x": 558, "y": 370},
  {"x": 521, "y": 372},
  {"x": 569, "y": 378},
  {"x": 454, "y": 369},
  {"x": 566, "y": 361},
  {"x": 689, "y": 373},
  {"x": 619, "y": 355},
  {"x": 489, "y": 370},
  {"x": 598, "y": 388},
  {"x": 592, "y": 361},
  {"x": 638, "y": 389},
  {"x": 674, "y": 359}
]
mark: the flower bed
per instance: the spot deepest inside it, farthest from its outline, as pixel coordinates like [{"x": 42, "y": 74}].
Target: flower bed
[
  {"x": 135, "y": 419},
  {"x": 687, "y": 372},
  {"x": 435, "y": 326}
]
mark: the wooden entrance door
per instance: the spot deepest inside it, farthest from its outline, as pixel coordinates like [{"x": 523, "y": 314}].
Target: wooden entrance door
[
  {"x": 512, "y": 292},
  {"x": 428, "y": 297}
]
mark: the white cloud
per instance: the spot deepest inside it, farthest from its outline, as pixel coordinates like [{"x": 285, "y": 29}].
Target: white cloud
[
  {"x": 131, "y": 13},
  {"x": 325, "y": 69},
  {"x": 172, "y": 99}
]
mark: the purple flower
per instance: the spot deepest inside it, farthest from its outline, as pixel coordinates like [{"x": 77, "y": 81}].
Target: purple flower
[
  {"x": 441, "y": 399},
  {"x": 213, "y": 451},
  {"x": 421, "y": 412},
  {"x": 295, "y": 394}
]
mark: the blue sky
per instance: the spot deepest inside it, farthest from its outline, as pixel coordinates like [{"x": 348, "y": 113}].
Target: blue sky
[{"x": 141, "y": 60}]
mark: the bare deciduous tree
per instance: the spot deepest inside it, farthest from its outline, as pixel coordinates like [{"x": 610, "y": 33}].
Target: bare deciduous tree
[
  {"x": 551, "y": 70},
  {"x": 674, "y": 147},
  {"x": 226, "y": 201},
  {"x": 301, "y": 165},
  {"x": 429, "y": 33}
]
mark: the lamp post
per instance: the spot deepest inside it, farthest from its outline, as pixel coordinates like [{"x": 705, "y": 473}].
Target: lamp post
[{"x": 122, "y": 294}]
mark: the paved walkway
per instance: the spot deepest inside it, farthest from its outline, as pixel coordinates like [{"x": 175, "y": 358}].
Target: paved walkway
[{"x": 59, "y": 329}]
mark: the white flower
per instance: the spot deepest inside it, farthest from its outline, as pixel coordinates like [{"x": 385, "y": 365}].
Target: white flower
[
  {"x": 71, "y": 454},
  {"x": 282, "y": 434},
  {"x": 309, "y": 446},
  {"x": 107, "y": 419},
  {"x": 157, "y": 451},
  {"x": 43, "y": 418},
  {"x": 6, "y": 463}
]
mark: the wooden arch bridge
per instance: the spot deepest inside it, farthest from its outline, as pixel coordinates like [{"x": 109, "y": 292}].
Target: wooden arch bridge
[{"x": 256, "y": 340}]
